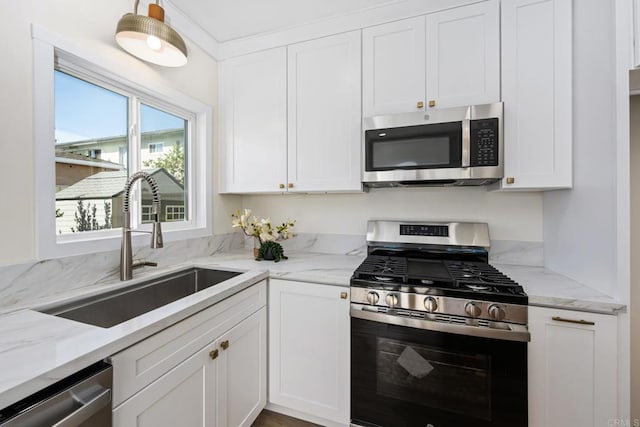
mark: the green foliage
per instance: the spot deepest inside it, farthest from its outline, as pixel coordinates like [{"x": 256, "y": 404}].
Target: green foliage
[
  {"x": 271, "y": 250},
  {"x": 59, "y": 213},
  {"x": 172, "y": 162},
  {"x": 86, "y": 219}
]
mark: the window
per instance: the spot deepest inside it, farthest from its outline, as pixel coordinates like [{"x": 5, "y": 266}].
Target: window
[
  {"x": 156, "y": 147},
  {"x": 146, "y": 213},
  {"x": 103, "y": 127},
  {"x": 174, "y": 213},
  {"x": 89, "y": 115}
]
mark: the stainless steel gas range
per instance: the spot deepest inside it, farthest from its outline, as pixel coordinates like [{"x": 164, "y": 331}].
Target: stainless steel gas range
[{"x": 438, "y": 336}]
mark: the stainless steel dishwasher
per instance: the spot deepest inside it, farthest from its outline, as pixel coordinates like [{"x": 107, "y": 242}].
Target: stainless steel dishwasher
[{"x": 80, "y": 400}]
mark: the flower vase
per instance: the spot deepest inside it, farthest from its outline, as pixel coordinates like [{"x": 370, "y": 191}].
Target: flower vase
[{"x": 256, "y": 247}]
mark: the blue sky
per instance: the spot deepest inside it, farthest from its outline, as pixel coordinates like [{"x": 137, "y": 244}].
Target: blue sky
[{"x": 86, "y": 111}]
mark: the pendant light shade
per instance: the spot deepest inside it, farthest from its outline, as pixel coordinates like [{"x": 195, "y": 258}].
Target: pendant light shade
[{"x": 150, "y": 39}]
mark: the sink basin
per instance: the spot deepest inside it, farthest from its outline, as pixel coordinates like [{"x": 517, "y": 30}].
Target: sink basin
[{"x": 111, "y": 308}]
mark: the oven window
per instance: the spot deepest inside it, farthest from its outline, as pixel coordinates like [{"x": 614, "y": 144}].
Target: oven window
[
  {"x": 450, "y": 381},
  {"x": 414, "y": 147},
  {"x": 410, "y": 377}
]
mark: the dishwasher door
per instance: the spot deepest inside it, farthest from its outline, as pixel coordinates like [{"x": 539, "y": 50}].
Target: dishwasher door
[{"x": 82, "y": 399}]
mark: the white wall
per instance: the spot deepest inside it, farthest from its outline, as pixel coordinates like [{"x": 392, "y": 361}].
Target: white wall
[
  {"x": 580, "y": 224},
  {"x": 91, "y": 25},
  {"x": 511, "y": 216},
  {"x": 635, "y": 251}
]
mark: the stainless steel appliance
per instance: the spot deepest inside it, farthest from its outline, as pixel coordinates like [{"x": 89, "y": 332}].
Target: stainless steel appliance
[
  {"x": 453, "y": 146},
  {"x": 438, "y": 336},
  {"x": 80, "y": 400}
]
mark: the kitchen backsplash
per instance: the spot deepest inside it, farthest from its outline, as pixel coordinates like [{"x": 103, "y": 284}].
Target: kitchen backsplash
[{"x": 24, "y": 285}]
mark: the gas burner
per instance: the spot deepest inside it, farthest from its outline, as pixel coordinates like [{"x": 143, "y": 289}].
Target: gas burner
[
  {"x": 427, "y": 282},
  {"x": 478, "y": 288}
]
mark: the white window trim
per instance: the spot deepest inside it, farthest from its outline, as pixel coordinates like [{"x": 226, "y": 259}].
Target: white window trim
[
  {"x": 46, "y": 45},
  {"x": 156, "y": 145}
]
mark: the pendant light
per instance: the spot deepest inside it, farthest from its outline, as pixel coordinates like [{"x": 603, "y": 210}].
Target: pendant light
[{"x": 150, "y": 39}]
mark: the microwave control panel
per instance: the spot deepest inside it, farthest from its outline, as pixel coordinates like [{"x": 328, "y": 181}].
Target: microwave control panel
[{"x": 484, "y": 142}]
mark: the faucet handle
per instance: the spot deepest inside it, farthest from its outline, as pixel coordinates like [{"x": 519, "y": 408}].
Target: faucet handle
[{"x": 143, "y": 263}]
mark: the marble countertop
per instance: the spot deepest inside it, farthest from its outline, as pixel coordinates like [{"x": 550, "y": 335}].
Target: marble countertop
[
  {"x": 544, "y": 287},
  {"x": 37, "y": 349}
]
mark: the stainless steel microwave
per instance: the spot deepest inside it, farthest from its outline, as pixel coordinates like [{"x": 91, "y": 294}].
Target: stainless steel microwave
[{"x": 452, "y": 146}]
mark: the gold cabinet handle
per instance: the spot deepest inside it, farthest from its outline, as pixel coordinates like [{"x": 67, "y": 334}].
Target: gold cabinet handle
[
  {"x": 420, "y": 104},
  {"x": 290, "y": 185},
  {"x": 343, "y": 295},
  {"x": 224, "y": 344},
  {"x": 577, "y": 322},
  {"x": 432, "y": 103},
  {"x": 213, "y": 354},
  {"x": 281, "y": 186},
  {"x": 511, "y": 180}
]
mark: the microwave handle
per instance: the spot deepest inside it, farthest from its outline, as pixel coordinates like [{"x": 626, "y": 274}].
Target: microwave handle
[{"x": 466, "y": 143}]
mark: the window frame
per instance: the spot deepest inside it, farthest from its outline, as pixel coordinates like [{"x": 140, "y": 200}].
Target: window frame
[{"x": 51, "y": 52}]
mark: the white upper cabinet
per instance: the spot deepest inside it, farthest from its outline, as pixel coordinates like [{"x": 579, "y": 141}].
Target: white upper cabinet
[
  {"x": 393, "y": 75},
  {"x": 446, "y": 59},
  {"x": 463, "y": 55},
  {"x": 253, "y": 122},
  {"x": 537, "y": 95},
  {"x": 324, "y": 114}
]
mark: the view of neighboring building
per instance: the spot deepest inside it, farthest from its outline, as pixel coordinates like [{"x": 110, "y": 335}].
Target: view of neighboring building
[{"x": 95, "y": 172}]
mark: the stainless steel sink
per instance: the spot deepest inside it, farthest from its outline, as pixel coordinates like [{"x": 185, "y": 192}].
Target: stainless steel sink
[{"x": 111, "y": 308}]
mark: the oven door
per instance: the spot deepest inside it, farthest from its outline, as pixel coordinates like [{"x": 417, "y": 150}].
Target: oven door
[{"x": 408, "y": 377}]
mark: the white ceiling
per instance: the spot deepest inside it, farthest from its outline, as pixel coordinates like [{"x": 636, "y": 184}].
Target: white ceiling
[{"x": 227, "y": 20}]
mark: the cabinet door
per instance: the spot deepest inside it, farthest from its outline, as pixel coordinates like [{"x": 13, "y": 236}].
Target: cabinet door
[
  {"x": 572, "y": 368},
  {"x": 184, "y": 396},
  {"x": 463, "y": 55},
  {"x": 324, "y": 114},
  {"x": 537, "y": 95},
  {"x": 309, "y": 348},
  {"x": 253, "y": 122},
  {"x": 393, "y": 61},
  {"x": 242, "y": 373}
]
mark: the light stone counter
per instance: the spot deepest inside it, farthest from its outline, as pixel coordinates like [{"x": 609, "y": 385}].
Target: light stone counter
[{"x": 37, "y": 349}]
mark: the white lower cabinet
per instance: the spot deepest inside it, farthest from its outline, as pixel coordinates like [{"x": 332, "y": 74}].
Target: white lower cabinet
[
  {"x": 163, "y": 382},
  {"x": 309, "y": 351},
  {"x": 572, "y": 368},
  {"x": 185, "y": 396}
]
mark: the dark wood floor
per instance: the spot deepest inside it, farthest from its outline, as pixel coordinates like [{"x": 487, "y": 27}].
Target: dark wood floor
[{"x": 273, "y": 419}]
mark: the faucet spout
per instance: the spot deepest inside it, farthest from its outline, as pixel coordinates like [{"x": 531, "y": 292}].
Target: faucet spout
[{"x": 126, "y": 255}]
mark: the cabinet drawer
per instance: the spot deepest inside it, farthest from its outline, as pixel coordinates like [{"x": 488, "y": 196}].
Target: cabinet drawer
[{"x": 142, "y": 363}]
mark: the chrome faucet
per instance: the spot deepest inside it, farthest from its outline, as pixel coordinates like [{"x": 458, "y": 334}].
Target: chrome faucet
[{"x": 126, "y": 258}]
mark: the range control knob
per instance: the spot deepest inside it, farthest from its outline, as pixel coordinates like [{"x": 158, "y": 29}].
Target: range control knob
[
  {"x": 392, "y": 300},
  {"x": 430, "y": 304},
  {"x": 373, "y": 298},
  {"x": 472, "y": 309},
  {"x": 496, "y": 312}
]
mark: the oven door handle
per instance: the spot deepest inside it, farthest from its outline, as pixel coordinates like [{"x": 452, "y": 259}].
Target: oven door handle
[{"x": 515, "y": 333}]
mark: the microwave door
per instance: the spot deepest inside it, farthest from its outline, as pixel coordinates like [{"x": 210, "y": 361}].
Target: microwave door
[{"x": 433, "y": 146}]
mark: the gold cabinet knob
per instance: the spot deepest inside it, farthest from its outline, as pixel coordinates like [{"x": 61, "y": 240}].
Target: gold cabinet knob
[
  {"x": 420, "y": 104},
  {"x": 224, "y": 344},
  {"x": 290, "y": 185},
  {"x": 432, "y": 103},
  {"x": 213, "y": 354},
  {"x": 343, "y": 295},
  {"x": 511, "y": 180},
  {"x": 281, "y": 186}
]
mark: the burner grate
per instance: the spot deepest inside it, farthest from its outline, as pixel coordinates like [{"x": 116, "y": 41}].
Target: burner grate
[
  {"x": 383, "y": 268},
  {"x": 480, "y": 277}
]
